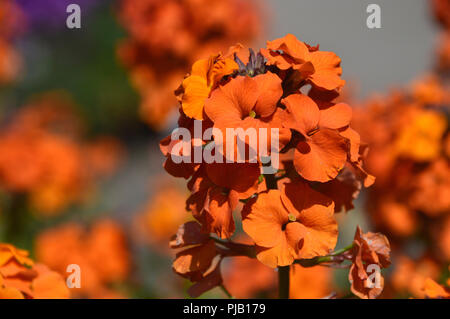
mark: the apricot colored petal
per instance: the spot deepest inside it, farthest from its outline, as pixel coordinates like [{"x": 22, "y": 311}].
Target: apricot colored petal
[
  {"x": 322, "y": 157},
  {"x": 196, "y": 259},
  {"x": 219, "y": 214},
  {"x": 290, "y": 45},
  {"x": 221, "y": 68},
  {"x": 10, "y": 293},
  {"x": 354, "y": 141},
  {"x": 234, "y": 99},
  {"x": 378, "y": 244},
  {"x": 270, "y": 92},
  {"x": 50, "y": 285},
  {"x": 359, "y": 287},
  {"x": 343, "y": 190},
  {"x": 263, "y": 218},
  {"x": 189, "y": 233},
  {"x": 224, "y": 174},
  {"x": 281, "y": 61},
  {"x": 327, "y": 70},
  {"x": 336, "y": 116},
  {"x": 280, "y": 255},
  {"x": 315, "y": 221},
  {"x": 196, "y": 91},
  {"x": 433, "y": 290},
  {"x": 305, "y": 113},
  {"x": 201, "y": 67}
]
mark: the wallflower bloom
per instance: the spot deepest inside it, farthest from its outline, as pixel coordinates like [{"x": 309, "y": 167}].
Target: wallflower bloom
[
  {"x": 203, "y": 78},
  {"x": 264, "y": 98},
  {"x": 285, "y": 230},
  {"x": 21, "y": 278},
  {"x": 320, "y": 68},
  {"x": 369, "y": 249},
  {"x": 322, "y": 152}
]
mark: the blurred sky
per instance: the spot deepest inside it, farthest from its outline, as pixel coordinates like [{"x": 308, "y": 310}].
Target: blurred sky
[{"x": 376, "y": 58}]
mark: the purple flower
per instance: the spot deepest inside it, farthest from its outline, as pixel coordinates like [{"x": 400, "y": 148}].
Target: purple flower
[{"x": 51, "y": 13}]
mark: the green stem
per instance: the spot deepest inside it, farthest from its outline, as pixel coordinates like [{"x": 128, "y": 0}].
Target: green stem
[
  {"x": 283, "y": 282},
  {"x": 342, "y": 250},
  {"x": 322, "y": 259},
  {"x": 225, "y": 290}
]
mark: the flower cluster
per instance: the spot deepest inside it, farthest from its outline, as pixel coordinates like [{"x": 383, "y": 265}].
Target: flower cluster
[
  {"x": 408, "y": 132},
  {"x": 11, "y": 19},
  {"x": 21, "y": 278},
  {"x": 101, "y": 253},
  {"x": 43, "y": 156},
  {"x": 166, "y": 37},
  {"x": 288, "y": 87},
  {"x": 408, "y": 136},
  {"x": 441, "y": 9}
]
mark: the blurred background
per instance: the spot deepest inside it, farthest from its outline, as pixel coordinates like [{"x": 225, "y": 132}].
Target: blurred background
[{"x": 82, "y": 112}]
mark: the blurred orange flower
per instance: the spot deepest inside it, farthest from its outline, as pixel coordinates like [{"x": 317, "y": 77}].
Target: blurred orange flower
[
  {"x": 433, "y": 290},
  {"x": 161, "y": 216},
  {"x": 11, "y": 24},
  {"x": 410, "y": 275},
  {"x": 303, "y": 287},
  {"x": 21, "y": 278},
  {"x": 101, "y": 253},
  {"x": 196, "y": 29},
  {"x": 43, "y": 155}
]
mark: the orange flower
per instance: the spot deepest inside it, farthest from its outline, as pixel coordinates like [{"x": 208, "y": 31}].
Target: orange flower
[
  {"x": 105, "y": 154},
  {"x": 215, "y": 194},
  {"x": 322, "y": 151},
  {"x": 200, "y": 261},
  {"x": 369, "y": 249},
  {"x": 248, "y": 102},
  {"x": 319, "y": 67},
  {"x": 431, "y": 189},
  {"x": 71, "y": 244},
  {"x": 288, "y": 214},
  {"x": 42, "y": 154},
  {"x": 433, "y": 290},
  {"x": 410, "y": 275},
  {"x": 162, "y": 215},
  {"x": 286, "y": 227},
  {"x": 205, "y": 74},
  {"x": 20, "y": 278},
  {"x": 421, "y": 138},
  {"x": 429, "y": 90}
]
